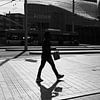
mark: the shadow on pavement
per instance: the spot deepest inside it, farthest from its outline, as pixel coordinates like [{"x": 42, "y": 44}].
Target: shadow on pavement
[
  {"x": 49, "y": 93},
  {"x": 5, "y": 61},
  {"x": 19, "y": 54}
]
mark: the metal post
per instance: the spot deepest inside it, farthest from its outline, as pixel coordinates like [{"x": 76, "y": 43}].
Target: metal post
[
  {"x": 26, "y": 30},
  {"x": 73, "y": 11}
]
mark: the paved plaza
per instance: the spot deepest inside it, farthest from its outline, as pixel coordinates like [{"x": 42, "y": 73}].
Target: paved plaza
[{"x": 81, "y": 80}]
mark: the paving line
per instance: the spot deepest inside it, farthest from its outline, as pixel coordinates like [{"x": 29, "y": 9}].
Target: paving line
[
  {"x": 17, "y": 84},
  {"x": 2, "y": 97},
  {"x": 10, "y": 85},
  {"x": 20, "y": 68},
  {"x": 23, "y": 84}
]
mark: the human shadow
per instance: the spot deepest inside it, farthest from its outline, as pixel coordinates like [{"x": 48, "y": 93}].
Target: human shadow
[{"x": 49, "y": 93}]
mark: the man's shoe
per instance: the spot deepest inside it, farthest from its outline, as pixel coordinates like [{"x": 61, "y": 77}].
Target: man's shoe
[
  {"x": 60, "y": 76},
  {"x": 39, "y": 80}
]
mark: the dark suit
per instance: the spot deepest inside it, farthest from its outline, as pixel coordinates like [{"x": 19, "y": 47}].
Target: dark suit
[{"x": 46, "y": 56}]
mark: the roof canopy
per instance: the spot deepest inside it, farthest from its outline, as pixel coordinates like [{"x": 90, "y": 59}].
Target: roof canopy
[{"x": 82, "y": 8}]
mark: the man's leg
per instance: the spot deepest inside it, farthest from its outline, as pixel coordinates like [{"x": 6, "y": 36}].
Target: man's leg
[
  {"x": 43, "y": 61},
  {"x": 51, "y": 62}
]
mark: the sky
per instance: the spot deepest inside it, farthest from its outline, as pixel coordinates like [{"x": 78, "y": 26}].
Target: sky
[{"x": 14, "y": 7}]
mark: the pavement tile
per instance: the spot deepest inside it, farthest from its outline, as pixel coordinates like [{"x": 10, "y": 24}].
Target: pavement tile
[{"x": 18, "y": 78}]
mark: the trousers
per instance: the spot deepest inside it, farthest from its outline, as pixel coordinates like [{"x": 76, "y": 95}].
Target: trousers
[{"x": 50, "y": 61}]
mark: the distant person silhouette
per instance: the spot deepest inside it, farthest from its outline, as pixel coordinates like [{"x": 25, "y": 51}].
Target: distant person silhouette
[
  {"x": 46, "y": 56},
  {"x": 49, "y": 93}
]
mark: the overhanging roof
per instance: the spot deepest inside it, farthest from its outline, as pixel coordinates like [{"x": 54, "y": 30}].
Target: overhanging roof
[{"x": 82, "y": 8}]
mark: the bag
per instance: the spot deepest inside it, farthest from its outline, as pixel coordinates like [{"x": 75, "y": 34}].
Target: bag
[{"x": 56, "y": 55}]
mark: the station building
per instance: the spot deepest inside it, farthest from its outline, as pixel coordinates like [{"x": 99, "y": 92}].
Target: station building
[{"x": 58, "y": 14}]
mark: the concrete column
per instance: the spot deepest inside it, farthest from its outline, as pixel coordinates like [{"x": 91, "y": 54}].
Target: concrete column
[
  {"x": 26, "y": 29},
  {"x": 73, "y": 11}
]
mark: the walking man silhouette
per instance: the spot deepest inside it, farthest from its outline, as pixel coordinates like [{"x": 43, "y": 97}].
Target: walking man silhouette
[{"x": 46, "y": 56}]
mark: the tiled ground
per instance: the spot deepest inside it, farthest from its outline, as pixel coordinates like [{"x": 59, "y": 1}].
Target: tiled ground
[{"x": 81, "y": 80}]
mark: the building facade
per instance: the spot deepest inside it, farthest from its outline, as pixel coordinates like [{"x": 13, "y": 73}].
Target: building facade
[
  {"x": 14, "y": 21},
  {"x": 42, "y": 16},
  {"x": 2, "y": 28},
  {"x": 11, "y": 21},
  {"x": 57, "y": 16}
]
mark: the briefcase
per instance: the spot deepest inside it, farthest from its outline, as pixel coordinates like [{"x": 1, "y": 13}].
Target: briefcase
[{"x": 56, "y": 55}]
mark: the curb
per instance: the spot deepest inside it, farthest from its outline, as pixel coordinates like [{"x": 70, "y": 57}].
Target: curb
[
  {"x": 69, "y": 52},
  {"x": 60, "y": 49},
  {"x": 2, "y": 50}
]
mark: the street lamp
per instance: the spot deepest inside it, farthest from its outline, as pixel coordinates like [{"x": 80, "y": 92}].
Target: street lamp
[
  {"x": 73, "y": 11},
  {"x": 25, "y": 26},
  {"x": 26, "y": 30}
]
